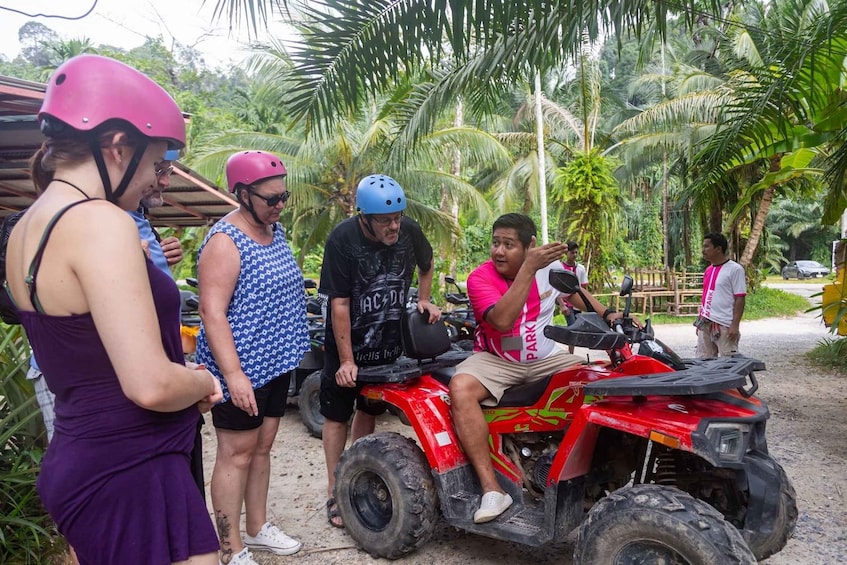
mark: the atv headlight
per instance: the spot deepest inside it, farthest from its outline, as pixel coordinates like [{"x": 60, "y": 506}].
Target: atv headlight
[{"x": 728, "y": 439}]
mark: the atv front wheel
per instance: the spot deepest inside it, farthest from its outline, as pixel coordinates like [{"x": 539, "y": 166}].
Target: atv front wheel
[
  {"x": 657, "y": 524},
  {"x": 770, "y": 530},
  {"x": 385, "y": 495},
  {"x": 309, "y": 403}
]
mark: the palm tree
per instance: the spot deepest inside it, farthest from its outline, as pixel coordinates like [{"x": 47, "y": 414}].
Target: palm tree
[
  {"x": 351, "y": 51},
  {"x": 787, "y": 114},
  {"x": 324, "y": 171}
]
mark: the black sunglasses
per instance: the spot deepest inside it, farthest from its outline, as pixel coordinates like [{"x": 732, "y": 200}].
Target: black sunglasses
[{"x": 275, "y": 199}]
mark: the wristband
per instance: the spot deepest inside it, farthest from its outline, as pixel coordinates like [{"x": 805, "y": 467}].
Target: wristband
[{"x": 607, "y": 312}]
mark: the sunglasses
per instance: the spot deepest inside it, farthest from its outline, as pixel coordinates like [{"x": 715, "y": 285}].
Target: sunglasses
[
  {"x": 275, "y": 199},
  {"x": 162, "y": 170}
]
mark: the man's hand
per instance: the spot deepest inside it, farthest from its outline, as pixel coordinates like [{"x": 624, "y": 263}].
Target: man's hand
[
  {"x": 346, "y": 374},
  {"x": 430, "y": 308},
  {"x": 172, "y": 250},
  {"x": 734, "y": 332},
  {"x": 539, "y": 257},
  {"x": 241, "y": 392}
]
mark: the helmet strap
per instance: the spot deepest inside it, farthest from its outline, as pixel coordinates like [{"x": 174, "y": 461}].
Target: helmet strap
[
  {"x": 96, "y": 150},
  {"x": 367, "y": 221},
  {"x": 248, "y": 204},
  {"x": 130, "y": 170}
]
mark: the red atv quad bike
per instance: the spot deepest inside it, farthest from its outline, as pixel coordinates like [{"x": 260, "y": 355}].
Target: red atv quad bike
[{"x": 654, "y": 458}]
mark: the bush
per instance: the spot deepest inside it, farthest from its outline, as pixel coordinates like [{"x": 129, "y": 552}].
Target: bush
[
  {"x": 27, "y": 534},
  {"x": 831, "y": 353}
]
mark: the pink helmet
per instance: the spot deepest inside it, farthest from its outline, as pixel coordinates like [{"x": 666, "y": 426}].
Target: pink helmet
[
  {"x": 89, "y": 90},
  {"x": 248, "y": 167}
]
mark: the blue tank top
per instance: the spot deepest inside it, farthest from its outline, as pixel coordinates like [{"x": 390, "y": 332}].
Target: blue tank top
[{"x": 267, "y": 312}]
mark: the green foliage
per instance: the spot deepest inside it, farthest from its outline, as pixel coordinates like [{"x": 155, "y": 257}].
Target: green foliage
[
  {"x": 642, "y": 244},
  {"x": 765, "y": 302},
  {"x": 589, "y": 198},
  {"x": 27, "y": 534},
  {"x": 474, "y": 247},
  {"x": 831, "y": 353},
  {"x": 312, "y": 263}
]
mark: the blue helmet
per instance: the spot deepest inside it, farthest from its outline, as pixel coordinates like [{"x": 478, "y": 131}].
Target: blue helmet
[{"x": 379, "y": 194}]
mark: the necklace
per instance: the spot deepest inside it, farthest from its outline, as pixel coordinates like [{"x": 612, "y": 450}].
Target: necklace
[{"x": 74, "y": 186}]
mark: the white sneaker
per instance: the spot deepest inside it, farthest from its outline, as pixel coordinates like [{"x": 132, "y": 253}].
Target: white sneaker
[
  {"x": 243, "y": 557},
  {"x": 270, "y": 538},
  {"x": 493, "y": 504}
]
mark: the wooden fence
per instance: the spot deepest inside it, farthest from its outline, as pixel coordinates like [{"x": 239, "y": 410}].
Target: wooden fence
[{"x": 662, "y": 291}]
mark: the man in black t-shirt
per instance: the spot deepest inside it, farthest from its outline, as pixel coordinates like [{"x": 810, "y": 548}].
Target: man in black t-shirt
[{"x": 368, "y": 265}]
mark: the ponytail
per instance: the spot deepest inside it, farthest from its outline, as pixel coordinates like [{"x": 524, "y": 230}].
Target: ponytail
[{"x": 41, "y": 173}]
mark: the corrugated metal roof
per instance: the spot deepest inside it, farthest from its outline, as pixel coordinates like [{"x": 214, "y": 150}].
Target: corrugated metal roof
[{"x": 191, "y": 199}]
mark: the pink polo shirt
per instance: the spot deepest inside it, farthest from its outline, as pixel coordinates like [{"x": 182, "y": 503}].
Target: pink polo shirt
[{"x": 525, "y": 342}]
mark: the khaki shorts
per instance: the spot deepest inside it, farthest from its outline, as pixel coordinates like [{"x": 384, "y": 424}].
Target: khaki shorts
[
  {"x": 496, "y": 374},
  {"x": 713, "y": 341}
]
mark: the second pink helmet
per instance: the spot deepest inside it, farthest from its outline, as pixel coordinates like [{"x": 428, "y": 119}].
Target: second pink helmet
[
  {"x": 88, "y": 90},
  {"x": 249, "y": 167}
]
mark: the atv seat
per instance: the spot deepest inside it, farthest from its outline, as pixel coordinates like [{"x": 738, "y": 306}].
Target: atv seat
[
  {"x": 427, "y": 349},
  {"x": 520, "y": 395}
]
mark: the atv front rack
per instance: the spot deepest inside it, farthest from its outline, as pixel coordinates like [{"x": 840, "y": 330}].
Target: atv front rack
[
  {"x": 406, "y": 368},
  {"x": 702, "y": 376}
]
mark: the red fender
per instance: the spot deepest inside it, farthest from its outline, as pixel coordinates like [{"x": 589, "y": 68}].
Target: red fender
[{"x": 426, "y": 404}]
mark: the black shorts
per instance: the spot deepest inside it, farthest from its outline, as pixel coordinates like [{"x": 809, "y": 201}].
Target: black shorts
[
  {"x": 270, "y": 402},
  {"x": 337, "y": 401}
]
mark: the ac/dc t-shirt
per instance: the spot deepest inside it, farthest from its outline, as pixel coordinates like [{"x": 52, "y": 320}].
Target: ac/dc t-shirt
[
  {"x": 376, "y": 278},
  {"x": 526, "y": 341}
]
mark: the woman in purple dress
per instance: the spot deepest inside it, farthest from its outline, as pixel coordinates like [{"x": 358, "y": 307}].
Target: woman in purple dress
[{"x": 104, "y": 324}]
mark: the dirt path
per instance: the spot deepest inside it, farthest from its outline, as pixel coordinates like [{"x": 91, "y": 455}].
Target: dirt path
[{"x": 806, "y": 434}]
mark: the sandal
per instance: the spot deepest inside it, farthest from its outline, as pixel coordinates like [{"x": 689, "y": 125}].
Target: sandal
[{"x": 332, "y": 515}]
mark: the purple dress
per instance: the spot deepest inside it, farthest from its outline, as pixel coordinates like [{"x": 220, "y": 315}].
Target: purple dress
[{"x": 116, "y": 477}]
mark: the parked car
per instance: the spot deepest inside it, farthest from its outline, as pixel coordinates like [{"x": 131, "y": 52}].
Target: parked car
[{"x": 803, "y": 270}]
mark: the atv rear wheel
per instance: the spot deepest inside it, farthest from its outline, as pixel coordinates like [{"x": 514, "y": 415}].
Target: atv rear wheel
[
  {"x": 309, "y": 403},
  {"x": 385, "y": 495},
  {"x": 657, "y": 524}
]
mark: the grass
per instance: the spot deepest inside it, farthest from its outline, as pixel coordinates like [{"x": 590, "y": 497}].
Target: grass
[
  {"x": 830, "y": 353},
  {"x": 763, "y": 303}
]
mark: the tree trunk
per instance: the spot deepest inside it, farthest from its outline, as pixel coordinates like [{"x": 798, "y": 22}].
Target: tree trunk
[
  {"x": 449, "y": 205},
  {"x": 758, "y": 226}
]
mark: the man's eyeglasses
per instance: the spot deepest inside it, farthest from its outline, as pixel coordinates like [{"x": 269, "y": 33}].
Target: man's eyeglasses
[
  {"x": 163, "y": 169},
  {"x": 383, "y": 221},
  {"x": 275, "y": 199}
]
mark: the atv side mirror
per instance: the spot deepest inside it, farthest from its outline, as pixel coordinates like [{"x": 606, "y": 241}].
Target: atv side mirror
[
  {"x": 310, "y": 284},
  {"x": 449, "y": 280},
  {"x": 626, "y": 285},
  {"x": 564, "y": 281}
]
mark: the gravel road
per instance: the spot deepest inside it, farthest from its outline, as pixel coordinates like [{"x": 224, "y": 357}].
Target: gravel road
[{"x": 806, "y": 434}]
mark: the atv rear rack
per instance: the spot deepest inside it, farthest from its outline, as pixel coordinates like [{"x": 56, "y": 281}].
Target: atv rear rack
[
  {"x": 702, "y": 376},
  {"x": 406, "y": 368}
]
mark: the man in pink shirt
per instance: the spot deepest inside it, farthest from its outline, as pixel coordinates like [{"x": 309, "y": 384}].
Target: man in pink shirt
[
  {"x": 722, "y": 304},
  {"x": 513, "y": 300}
]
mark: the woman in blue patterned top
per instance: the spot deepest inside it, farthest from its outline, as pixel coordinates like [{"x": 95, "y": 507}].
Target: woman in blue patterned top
[{"x": 253, "y": 335}]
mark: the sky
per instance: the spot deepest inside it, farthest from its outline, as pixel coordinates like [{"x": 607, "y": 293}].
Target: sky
[{"x": 125, "y": 24}]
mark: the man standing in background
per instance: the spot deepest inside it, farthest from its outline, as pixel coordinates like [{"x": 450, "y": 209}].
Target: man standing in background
[
  {"x": 722, "y": 304},
  {"x": 570, "y": 264}
]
